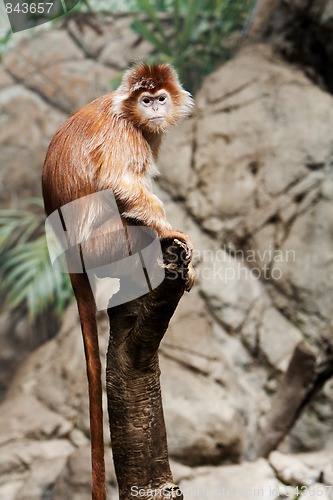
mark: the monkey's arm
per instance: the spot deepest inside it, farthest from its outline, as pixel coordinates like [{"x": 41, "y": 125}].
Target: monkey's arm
[{"x": 140, "y": 204}]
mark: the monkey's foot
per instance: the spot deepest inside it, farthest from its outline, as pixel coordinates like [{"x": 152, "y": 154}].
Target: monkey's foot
[
  {"x": 183, "y": 240},
  {"x": 188, "y": 249},
  {"x": 191, "y": 274},
  {"x": 191, "y": 277},
  {"x": 171, "y": 490},
  {"x": 175, "y": 260}
]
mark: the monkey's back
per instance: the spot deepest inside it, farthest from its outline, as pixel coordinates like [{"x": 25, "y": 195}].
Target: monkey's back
[{"x": 94, "y": 149}]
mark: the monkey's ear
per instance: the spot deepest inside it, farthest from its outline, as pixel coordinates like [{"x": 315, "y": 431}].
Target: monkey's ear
[
  {"x": 118, "y": 98},
  {"x": 123, "y": 91},
  {"x": 124, "y": 84},
  {"x": 131, "y": 76},
  {"x": 130, "y": 80}
]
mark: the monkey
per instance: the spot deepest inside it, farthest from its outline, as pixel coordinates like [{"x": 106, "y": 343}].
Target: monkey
[{"x": 113, "y": 143}]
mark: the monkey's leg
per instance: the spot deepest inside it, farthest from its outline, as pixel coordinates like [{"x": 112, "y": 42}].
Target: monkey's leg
[{"x": 87, "y": 313}]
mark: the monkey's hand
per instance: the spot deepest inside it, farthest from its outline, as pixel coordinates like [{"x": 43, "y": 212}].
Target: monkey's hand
[
  {"x": 191, "y": 277},
  {"x": 185, "y": 250},
  {"x": 175, "y": 234}
]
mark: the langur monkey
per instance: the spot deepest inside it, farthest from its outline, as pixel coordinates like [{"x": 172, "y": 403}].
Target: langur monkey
[{"x": 113, "y": 143}]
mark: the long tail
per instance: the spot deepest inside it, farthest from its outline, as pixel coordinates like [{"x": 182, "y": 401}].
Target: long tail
[{"x": 87, "y": 313}]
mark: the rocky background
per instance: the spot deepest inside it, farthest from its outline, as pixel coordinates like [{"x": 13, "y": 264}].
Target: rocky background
[{"x": 250, "y": 177}]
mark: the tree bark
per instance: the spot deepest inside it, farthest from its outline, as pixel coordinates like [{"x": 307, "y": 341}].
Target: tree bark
[
  {"x": 261, "y": 14},
  {"x": 136, "y": 418},
  {"x": 305, "y": 376}
]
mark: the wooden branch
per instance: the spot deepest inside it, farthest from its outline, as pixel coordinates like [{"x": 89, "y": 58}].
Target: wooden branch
[
  {"x": 261, "y": 15},
  {"x": 137, "y": 425},
  {"x": 304, "y": 377}
]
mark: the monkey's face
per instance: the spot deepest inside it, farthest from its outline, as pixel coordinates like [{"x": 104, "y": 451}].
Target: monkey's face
[{"x": 155, "y": 109}]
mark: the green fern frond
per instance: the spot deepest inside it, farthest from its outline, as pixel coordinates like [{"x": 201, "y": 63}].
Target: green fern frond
[{"x": 27, "y": 276}]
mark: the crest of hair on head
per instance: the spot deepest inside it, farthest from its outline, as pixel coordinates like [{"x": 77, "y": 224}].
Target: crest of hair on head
[{"x": 152, "y": 78}]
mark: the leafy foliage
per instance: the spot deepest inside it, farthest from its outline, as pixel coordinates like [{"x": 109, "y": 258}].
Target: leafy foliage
[
  {"x": 194, "y": 35},
  {"x": 27, "y": 276},
  {"x": 4, "y": 42}
]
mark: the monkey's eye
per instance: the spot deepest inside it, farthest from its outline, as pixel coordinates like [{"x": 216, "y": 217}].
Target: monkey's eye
[
  {"x": 146, "y": 100},
  {"x": 162, "y": 98}
]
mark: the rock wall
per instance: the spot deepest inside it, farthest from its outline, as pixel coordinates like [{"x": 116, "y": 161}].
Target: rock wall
[{"x": 250, "y": 177}]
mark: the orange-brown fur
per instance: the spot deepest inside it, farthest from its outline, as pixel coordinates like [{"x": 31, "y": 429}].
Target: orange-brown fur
[{"x": 108, "y": 145}]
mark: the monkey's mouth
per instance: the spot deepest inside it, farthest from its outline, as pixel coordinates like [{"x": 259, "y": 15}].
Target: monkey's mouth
[{"x": 156, "y": 119}]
